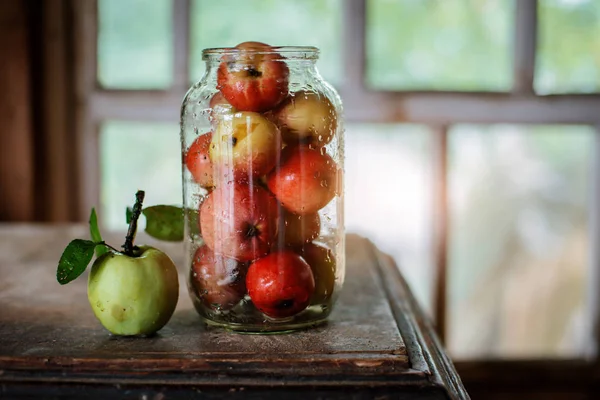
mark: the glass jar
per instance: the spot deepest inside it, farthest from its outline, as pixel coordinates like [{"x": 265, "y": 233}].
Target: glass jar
[{"x": 263, "y": 151}]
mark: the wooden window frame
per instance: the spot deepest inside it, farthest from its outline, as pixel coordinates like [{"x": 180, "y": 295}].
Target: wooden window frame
[{"x": 438, "y": 110}]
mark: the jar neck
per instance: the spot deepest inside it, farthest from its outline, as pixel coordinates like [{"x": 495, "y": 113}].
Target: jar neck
[
  {"x": 295, "y": 57},
  {"x": 293, "y": 64}
]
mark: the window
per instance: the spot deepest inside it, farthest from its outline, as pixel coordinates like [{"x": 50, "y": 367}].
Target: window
[
  {"x": 518, "y": 240},
  {"x": 309, "y": 22},
  {"x": 473, "y": 123},
  {"x": 450, "y": 36}
]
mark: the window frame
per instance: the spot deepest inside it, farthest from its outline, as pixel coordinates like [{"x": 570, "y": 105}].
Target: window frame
[{"x": 437, "y": 109}]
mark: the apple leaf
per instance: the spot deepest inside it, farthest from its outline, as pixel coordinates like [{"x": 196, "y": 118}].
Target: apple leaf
[
  {"x": 95, "y": 233},
  {"x": 164, "y": 222},
  {"x": 75, "y": 259}
]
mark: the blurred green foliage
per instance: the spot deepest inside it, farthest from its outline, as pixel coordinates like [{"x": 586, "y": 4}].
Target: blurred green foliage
[
  {"x": 462, "y": 45},
  {"x": 278, "y": 23},
  {"x": 568, "y": 58},
  {"x": 135, "y": 44},
  {"x": 440, "y": 45},
  {"x": 137, "y": 156}
]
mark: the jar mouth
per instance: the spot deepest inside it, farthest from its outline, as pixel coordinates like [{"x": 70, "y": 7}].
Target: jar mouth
[{"x": 286, "y": 52}]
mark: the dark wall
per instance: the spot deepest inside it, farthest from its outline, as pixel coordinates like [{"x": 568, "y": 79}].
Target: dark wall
[
  {"x": 38, "y": 145},
  {"x": 16, "y": 136}
]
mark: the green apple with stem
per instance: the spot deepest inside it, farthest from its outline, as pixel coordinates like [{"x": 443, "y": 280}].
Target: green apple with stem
[{"x": 133, "y": 291}]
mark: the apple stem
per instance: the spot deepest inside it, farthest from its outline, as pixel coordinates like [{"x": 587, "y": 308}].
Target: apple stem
[{"x": 137, "y": 210}]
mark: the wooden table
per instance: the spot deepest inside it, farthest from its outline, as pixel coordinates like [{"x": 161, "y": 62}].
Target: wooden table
[{"x": 376, "y": 345}]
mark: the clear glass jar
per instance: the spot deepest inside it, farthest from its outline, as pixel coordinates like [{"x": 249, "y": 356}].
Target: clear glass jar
[{"x": 263, "y": 151}]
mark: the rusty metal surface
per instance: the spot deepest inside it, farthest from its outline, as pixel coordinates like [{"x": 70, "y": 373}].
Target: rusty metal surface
[{"x": 49, "y": 336}]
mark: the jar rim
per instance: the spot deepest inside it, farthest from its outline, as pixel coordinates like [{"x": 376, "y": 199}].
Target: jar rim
[{"x": 287, "y": 52}]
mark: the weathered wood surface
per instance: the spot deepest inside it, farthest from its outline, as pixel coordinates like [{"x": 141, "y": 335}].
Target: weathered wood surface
[{"x": 376, "y": 344}]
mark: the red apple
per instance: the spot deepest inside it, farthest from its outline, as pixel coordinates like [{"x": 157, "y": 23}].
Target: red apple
[
  {"x": 197, "y": 160},
  {"x": 253, "y": 78},
  {"x": 218, "y": 281},
  {"x": 322, "y": 264},
  {"x": 299, "y": 229},
  {"x": 305, "y": 180},
  {"x": 306, "y": 117},
  {"x": 245, "y": 145},
  {"x": 280, "y": 284},
  {"x": 239, "y": 221}
]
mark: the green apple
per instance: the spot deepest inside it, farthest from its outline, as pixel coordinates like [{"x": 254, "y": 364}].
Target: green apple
[
  {"x": 133, "y": 291},
  {"x": 133, "y": 295}
]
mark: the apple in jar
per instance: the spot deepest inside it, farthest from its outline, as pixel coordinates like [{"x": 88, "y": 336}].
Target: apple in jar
[
  {"x": 253, "y": 77},
  {"x": 218, "y": 281},
  {"x": 245, "y": 145},
  {"x": 322, "y": 264},
  {"x": 305, "y": 180},
  {"x": 197, "y": 161},
  {"x": 219, "y": 106},
  {"x": 219, "y": 103},
  {"x": 299, "y": 229},
  {"x": 306, "y": 117},
  {"x": 281, "y": 284},
  {"x": 239, "y": 221}
]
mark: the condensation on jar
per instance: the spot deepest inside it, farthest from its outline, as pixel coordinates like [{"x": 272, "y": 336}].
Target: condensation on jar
[{"x": 263, "y": 151}]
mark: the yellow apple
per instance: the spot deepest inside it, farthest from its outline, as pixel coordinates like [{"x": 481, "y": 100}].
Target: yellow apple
[
  {"x": 245, "y": 145},
  {"x": 306, "y": 117}
]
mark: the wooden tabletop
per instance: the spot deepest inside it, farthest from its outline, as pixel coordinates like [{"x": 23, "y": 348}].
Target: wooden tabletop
[{"x": 377, "y": 342}]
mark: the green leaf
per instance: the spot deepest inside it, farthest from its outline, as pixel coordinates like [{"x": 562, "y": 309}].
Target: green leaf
[
  {"x": 95, "y": 233},
  {"x": 75, "y": 259},
  {"x": 128, "y": 215},
  {"x": 164, "y": 222}
]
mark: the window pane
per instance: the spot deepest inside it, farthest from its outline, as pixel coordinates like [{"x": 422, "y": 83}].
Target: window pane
[
  {"x": 518, "y": 240},
  {"x": 439, "y": 45},
  {"x": 279, "y": 23},
  {"x": 135, "y": 44},
  {"x": 134, "y": 156},
  {"x": 568, "y": 59},
  {"x": 388, "y": 196}
]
